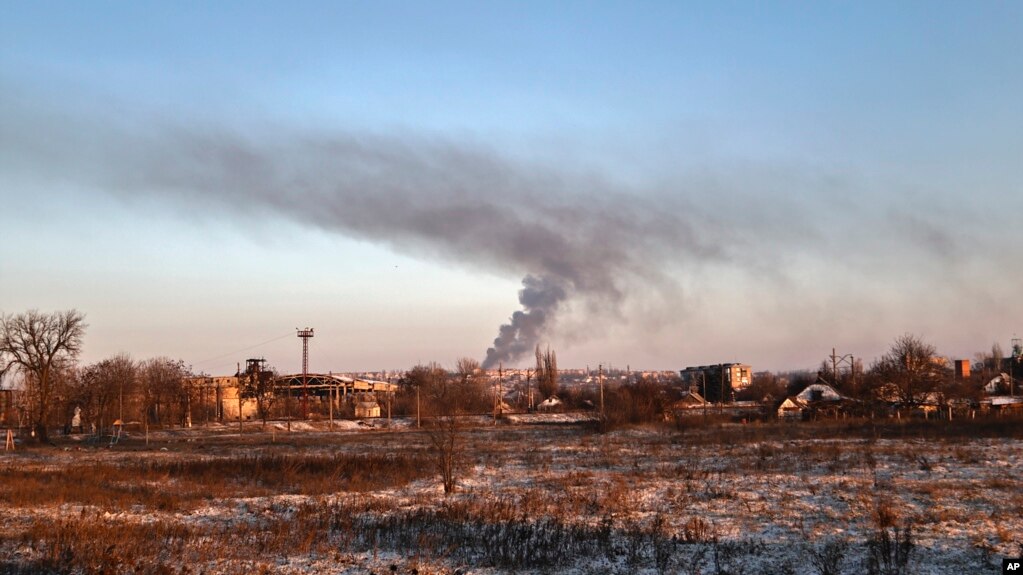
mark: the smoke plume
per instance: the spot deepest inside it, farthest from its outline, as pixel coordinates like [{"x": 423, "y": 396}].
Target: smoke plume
[
  {"x": 540, "y": 298},
  {"x": 573, "y": 237},
  {"x": 777, "y": 245}
]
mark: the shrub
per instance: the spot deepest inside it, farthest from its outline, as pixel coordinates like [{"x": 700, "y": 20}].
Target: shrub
[{"x": 827, "y": 557}]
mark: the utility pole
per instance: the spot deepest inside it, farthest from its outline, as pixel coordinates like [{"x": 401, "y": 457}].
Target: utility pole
[
  {"x": 287, "y": 405},
  {"x": 1012, "y": 378},
  {"x": 238, "y": 370},
  {"x": 497, "y": 396},
  {"x": 852, "y": 373},
  {"x": 529, "y": 391},
  {"x": 1017, "y": 355},
  {"x": 206, "y": 398},
  {"x": 330, "y": 398},
  {"x": 834, "y": 368},
  {"x": 835, "y": 360},
  {"x": 305, "y": 334},
  {"x": 703, "y": 380},
  {"x": 600, "y": 378}
]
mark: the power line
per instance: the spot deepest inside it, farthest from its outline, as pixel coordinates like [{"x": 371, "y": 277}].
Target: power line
[{"x": 242, "y": 349}]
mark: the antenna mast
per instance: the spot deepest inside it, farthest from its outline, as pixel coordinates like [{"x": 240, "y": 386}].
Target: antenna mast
[{"x": 305, "y": 334}]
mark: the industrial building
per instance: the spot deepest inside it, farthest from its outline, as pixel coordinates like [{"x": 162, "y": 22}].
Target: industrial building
[
  {"x": 317, "y": 389},
  {"x": 718, "y": 382}
]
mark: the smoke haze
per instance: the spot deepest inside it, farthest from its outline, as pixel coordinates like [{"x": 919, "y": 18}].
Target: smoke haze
[
  {"x": 572, "y": 237},
  {"x": 581, "y": 243}
]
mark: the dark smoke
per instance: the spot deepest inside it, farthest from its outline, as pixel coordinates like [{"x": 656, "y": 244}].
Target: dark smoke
[
  {"x": 540, "y": 298},
  {"x": 588, "y": 248},
  {"x": 575, "y": 238}
]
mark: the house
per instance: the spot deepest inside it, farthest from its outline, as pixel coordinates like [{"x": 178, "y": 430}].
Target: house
[
  {"x": 1003, "y": 404},
  {"x": 550, "y": 404},
  {"x": 930, "y": 402},
  {"x": 691, "y": 404},
  {"x": 366, "y": 406},
  {"x": 819, "y": 392},
  {"x": 818, "y": 399},
  {"x": 689, "y": 401},
  {"x": 792, "y": 408},
  {"x": 1001, "y": 383}
]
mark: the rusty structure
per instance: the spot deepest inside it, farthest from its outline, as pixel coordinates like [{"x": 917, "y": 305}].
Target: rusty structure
[{"x": 305, "y": 334}]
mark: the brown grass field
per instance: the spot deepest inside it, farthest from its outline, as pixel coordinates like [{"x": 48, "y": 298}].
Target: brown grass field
[{"x": 823, "y": 498}]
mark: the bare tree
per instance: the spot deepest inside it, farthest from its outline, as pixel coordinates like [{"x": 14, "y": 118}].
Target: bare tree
[
  {"x": 411, "y": 384},
  {"x": 445, "y": 434},
  {"x": 63, "y": 384},
  {"x": 990, "y": 365},
  {"x": 443, "y": 405},
  {"x": 765, "y": 384},
  {"x": 546, "y": 372},
  {"x": 162, "y": 383},
  {"x": 644, "y": 401},
  {"x": 913, "y": 367},
  {"x": 471, "y": 392},
  {"x": 997, "y": 357},
  {"x": 103, "y": 388},
  {"x": 39, "y": 345}
]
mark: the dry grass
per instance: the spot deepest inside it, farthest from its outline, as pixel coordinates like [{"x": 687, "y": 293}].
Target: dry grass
[
  {"x": 175, "y": 484},
  {"x": 535, "y": 499}
]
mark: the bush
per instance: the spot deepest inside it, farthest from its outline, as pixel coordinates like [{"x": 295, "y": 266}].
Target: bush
[{"x": 827, "y": 557}]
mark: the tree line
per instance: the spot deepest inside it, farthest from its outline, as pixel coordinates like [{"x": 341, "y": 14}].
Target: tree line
[{"x": 41, "y": 349}]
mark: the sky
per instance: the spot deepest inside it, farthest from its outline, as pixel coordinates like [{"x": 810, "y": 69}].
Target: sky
[{"x": 646, "y": 184}]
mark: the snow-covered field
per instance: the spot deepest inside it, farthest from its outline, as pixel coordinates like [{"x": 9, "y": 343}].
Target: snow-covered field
[{"x": 532, "y": 498}]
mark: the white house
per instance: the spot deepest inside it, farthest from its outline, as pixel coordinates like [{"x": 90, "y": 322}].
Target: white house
[
  {"x": 819, "y": 392},
  {"x": 792, "y": 408}
]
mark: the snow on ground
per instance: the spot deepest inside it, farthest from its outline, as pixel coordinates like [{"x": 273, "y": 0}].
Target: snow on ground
[
  {"x": 640, "y": 501},
  {"x": 549, "y": 418}
]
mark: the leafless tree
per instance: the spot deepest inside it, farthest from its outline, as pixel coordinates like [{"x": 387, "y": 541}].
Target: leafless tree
[
  {"x": 988, "y": 365},
  {"x": 765, "y": 384},
  {"x": 913, "y": 366},
  {"x": 163, "y": 389},
  {"x": 40, "y": 345},
  {"x": 546, "y": 372},
  {"x": 471, "y": 391},
  {"x": 63, "y": 383},
  {"x": 414, "y": 384},
  {"x": 445, "y": 434},
  {"x": 443, "y": 405},
  {"x": 997, "y": 357},
  {"x": 104, "y": 387},
  {"x": 643, "y": 401}
]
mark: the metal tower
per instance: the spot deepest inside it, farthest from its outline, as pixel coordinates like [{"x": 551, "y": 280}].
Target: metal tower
[{"x": 305, "y": 334}]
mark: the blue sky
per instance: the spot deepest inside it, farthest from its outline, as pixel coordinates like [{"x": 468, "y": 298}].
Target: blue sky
[{"x": 843, "y": 173}]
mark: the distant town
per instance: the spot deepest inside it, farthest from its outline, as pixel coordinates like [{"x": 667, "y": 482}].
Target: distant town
[{"x": 46, "y": 390}]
